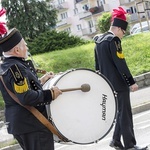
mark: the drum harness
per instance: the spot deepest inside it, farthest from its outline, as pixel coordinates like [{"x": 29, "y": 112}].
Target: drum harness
[{"x": 36, "y": 113}]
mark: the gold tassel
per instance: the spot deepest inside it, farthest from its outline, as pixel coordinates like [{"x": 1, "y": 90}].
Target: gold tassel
[
  {"x": 120, "y": 55},
  {"x": 21, "y": 88}
]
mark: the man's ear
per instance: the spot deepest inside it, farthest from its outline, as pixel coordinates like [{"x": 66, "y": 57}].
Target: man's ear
[{"x": 16, "y": 49}]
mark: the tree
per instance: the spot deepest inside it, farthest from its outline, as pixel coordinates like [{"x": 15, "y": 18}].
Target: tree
[
  {"x": 104, "y": 22},
  {"x": 30, "y": 17}
]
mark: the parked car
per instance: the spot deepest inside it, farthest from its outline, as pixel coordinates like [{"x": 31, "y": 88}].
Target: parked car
[
  {"x": 137, "y": 25},
  {"x": 143, "y": 29}
]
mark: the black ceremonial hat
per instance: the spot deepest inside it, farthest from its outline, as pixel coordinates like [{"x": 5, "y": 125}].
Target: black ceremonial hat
[
  {"x": 9, "y": 40},
  {"x": 120, "y": 23},
  {"x": 119, "y": 18}
]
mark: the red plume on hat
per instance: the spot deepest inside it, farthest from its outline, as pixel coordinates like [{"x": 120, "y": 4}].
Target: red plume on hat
[
  {"x": 119, "y": 18},
  {"x": 3, "y": 29},
  {"x": 119, "y": 13},
  {"x": 8, "y": 38}
]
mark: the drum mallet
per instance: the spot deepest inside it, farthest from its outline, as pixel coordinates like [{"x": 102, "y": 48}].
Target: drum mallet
[{"x": 83, "y": 88}]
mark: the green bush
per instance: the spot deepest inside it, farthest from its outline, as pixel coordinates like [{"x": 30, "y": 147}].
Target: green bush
[
  {"x": 53, "y": 40},
  {"x": 104, "y": 22}
]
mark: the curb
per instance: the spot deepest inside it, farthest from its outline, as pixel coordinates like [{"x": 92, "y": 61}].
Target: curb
[
  {"x": 12, "y": 147},
  {"x": 141, "y": 108}
]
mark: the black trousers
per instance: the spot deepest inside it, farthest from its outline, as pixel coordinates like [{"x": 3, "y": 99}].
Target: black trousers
[
  {"x": 39, "y": 140},
  {"x": 124, "y": 123}
]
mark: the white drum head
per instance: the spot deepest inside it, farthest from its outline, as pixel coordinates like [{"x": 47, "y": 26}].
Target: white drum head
[{"x": 83, "y": 117}]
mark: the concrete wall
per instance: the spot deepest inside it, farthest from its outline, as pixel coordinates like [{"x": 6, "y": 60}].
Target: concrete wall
[{"x": 143, "y": 80}]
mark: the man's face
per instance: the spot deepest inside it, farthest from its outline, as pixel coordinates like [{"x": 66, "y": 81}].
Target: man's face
[
  {"x": 23, "y": 49},
  {"x": 121, "y": 33}
]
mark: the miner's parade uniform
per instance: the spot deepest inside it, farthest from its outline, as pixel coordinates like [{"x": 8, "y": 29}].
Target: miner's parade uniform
[
  {"x": 108, "y": 54},
  {"x": 21, "y": 89},
  {"x": 20, "y": 78},
  {"x": 110, "y": 61}
]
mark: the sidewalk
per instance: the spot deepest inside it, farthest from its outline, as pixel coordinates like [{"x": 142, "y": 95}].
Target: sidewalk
[{"x": 140, "y": 101}]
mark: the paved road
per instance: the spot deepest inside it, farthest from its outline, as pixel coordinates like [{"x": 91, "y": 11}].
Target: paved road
[
  {"x": 142, "y": 132},
  {"x": 140, "y": 100},
  {"x": 141, "y": 128}
]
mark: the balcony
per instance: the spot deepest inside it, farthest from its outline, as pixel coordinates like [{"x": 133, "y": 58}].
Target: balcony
[
  {"x": 99, "y": 9},
  {"x": 63, "y": 22},
  {"x": 88, "y": 31},
  {"x": 124, "y": 2},
  {"x": 135, "y": 18},
  {"x": 96, "y": 9},
  {"x": 84, "y": 14},
  {"x": 78, "y": 1},
  {"x": 61, "y": 6}
]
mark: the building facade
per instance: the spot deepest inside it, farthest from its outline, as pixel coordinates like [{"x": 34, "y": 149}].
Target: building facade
[
  {"x": 139, "y": 10},
  {"x": 79, "y": 17}
]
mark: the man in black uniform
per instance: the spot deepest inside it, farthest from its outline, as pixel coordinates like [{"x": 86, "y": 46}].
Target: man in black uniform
[
  {"x": 20, "y": 78},
  {"x": 110, "y": 61}
]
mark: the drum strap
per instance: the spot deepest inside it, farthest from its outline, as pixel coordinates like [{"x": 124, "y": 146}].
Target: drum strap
[{"x": 35, "y": 112}]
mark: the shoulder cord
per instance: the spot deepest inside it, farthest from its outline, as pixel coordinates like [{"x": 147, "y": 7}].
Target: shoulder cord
[{"x": 36, "y": 113}]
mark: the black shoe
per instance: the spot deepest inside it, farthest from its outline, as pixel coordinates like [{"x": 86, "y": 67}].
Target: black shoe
[
  {"x": 138, "y": 148},
  {"x": 116, "y": 145}
]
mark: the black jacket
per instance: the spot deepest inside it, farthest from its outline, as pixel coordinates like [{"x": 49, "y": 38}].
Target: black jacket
[
  {"x": 110, "y": 61},
  {"x": 21, "y": 79}
]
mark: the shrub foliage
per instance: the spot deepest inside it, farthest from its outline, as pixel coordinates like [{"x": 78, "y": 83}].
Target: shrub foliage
[
  {"x": 104, "y": 22},
  {"x": 53, "y": 40}
]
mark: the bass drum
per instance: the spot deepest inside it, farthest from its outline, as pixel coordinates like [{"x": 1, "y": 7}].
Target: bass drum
[{"x": 82, "y": 117}]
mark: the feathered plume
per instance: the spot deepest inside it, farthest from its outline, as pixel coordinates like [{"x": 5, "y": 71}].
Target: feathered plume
[
  {"x": 119, "y": 13},
  {"x": 3, "y": 29}
]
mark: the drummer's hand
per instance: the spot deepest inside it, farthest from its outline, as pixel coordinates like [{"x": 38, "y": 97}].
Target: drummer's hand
[
  {"x": 134, "y": 87},
  {"x": 55, "y": 92},
  {"x": 47, "y": 76}
]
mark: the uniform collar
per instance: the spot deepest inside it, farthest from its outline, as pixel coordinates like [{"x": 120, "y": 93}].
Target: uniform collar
[
  {"x": 14, "y": 57},
  {"x": 111, "y": 32}
]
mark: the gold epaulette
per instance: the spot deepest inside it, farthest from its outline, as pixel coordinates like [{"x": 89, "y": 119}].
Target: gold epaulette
[
  {"x": 119, "y": 52},
  {"x": 20, "y": 84}
]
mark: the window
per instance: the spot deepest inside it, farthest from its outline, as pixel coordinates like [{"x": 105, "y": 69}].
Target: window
[
  {"x": 131, "y": 10},
  {"x": 64, "y": 15},
  {"x": 68, "y": 30},
  {"x": 76, "y": 11},
  {"x": 90, "y": 23},
  {"x": 79, "y": 27},
  {"x": 100, "y": 2},
  {"x": 147, "y": 5},
  {"x": 61, "y": 1},
  {"x": 86, "y": 7}
]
